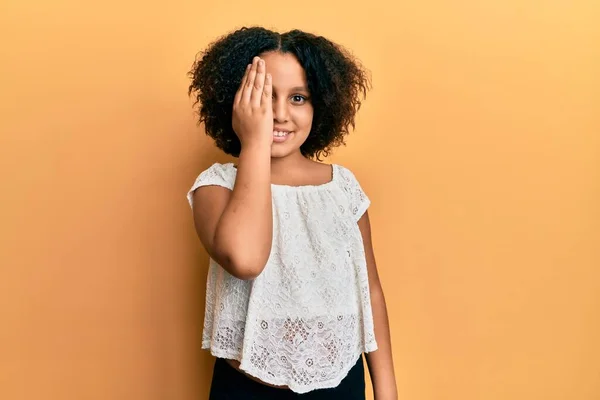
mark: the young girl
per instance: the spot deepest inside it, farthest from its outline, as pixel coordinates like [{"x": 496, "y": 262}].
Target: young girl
[{"x": 293, "y": 297}]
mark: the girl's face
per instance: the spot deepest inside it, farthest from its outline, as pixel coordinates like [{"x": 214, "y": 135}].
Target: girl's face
[{"x": 292, "y": 106}]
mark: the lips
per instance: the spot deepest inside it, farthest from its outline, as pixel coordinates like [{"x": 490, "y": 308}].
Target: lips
[{"x": 280, "y": 136}]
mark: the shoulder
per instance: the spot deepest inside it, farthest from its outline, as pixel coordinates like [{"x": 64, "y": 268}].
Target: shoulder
[
  {"x": 345, "y": 175},
  {"x": 218, "y": 168},
  {"x": 358, "y": 199},
  {"x": 216, "y": 175}
]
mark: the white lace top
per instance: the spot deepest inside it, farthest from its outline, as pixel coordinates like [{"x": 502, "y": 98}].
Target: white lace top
[{"x": 306, "y": 319}]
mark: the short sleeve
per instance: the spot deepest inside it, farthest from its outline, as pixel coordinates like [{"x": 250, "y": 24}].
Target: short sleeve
[
  {"x": 217, "y": 174},
  {"x": 358, "y": 199}
]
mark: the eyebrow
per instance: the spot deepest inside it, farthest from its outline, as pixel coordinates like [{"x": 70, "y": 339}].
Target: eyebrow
[{"x": 300, "y": 89}]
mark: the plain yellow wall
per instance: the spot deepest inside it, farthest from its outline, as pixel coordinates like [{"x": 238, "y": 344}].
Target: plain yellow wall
[{"x": 479, "y": 147}]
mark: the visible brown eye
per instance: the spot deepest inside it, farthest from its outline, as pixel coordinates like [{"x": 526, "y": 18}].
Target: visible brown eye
[{"x": 298, "y": 99}]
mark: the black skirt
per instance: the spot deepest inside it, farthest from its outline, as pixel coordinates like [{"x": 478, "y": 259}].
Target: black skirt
[{"x": 231, "y": 384}]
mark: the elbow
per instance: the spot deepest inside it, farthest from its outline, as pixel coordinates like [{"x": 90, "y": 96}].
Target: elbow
[
  {"x": 247, "y": 275},
  {"x": 241, "y": 259},
  {"x": 244, "y": 268}
]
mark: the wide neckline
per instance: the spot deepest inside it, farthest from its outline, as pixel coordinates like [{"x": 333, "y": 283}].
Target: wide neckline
[{"x": 334, "y": 173}]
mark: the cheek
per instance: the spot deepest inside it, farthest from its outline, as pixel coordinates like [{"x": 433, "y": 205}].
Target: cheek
[{"x": 303, "y": 116}]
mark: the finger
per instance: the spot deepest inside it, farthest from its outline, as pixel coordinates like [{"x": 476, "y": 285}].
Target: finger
[
  {"x": 267, "y": 94},
  {"x": 259, "y": 83},
  {"x": 250, "y": 81},
  {"x": 238, "y": 94},
  {"x": 249, "y": 85}
]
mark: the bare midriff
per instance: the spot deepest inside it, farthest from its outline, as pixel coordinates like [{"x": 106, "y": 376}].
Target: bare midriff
[{"x": 236, "y": 364}]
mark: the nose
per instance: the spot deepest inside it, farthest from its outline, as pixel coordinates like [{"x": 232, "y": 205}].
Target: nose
[{"x": 280, "y": 110}]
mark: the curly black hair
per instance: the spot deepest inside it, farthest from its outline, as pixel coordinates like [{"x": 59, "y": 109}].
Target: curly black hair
[{"x": 336, "y": 81}]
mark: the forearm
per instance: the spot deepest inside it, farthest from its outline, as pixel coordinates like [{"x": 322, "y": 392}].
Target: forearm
[
  {"x": 380, "y": 362},
  {"x": 245, "y": 229}
]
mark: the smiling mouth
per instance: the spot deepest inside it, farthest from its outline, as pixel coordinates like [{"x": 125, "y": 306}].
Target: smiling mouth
[{"x": 281, "y": 136}]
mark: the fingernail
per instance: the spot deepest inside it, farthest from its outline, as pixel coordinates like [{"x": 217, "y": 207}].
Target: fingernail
[{"x": 261, "y": 62}]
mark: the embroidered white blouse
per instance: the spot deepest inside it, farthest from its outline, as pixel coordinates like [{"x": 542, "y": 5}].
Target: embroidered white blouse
[{"x": 306, "y": 319}]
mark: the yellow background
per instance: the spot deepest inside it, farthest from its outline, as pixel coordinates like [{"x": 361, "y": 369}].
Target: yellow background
[{"x": 479, "y": 147}]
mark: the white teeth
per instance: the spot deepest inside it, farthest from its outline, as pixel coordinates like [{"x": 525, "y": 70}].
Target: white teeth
[{"x": 280, "y": 134}]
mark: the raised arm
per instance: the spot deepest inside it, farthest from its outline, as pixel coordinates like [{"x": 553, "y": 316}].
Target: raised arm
[{"x": 236, "y": 227}]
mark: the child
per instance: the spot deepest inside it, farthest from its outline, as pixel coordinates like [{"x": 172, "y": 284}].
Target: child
[{"x": 293, "y": 296}]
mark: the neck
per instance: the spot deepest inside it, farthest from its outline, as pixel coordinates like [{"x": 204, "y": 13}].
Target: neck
[{"x": 290, "y": 162}]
